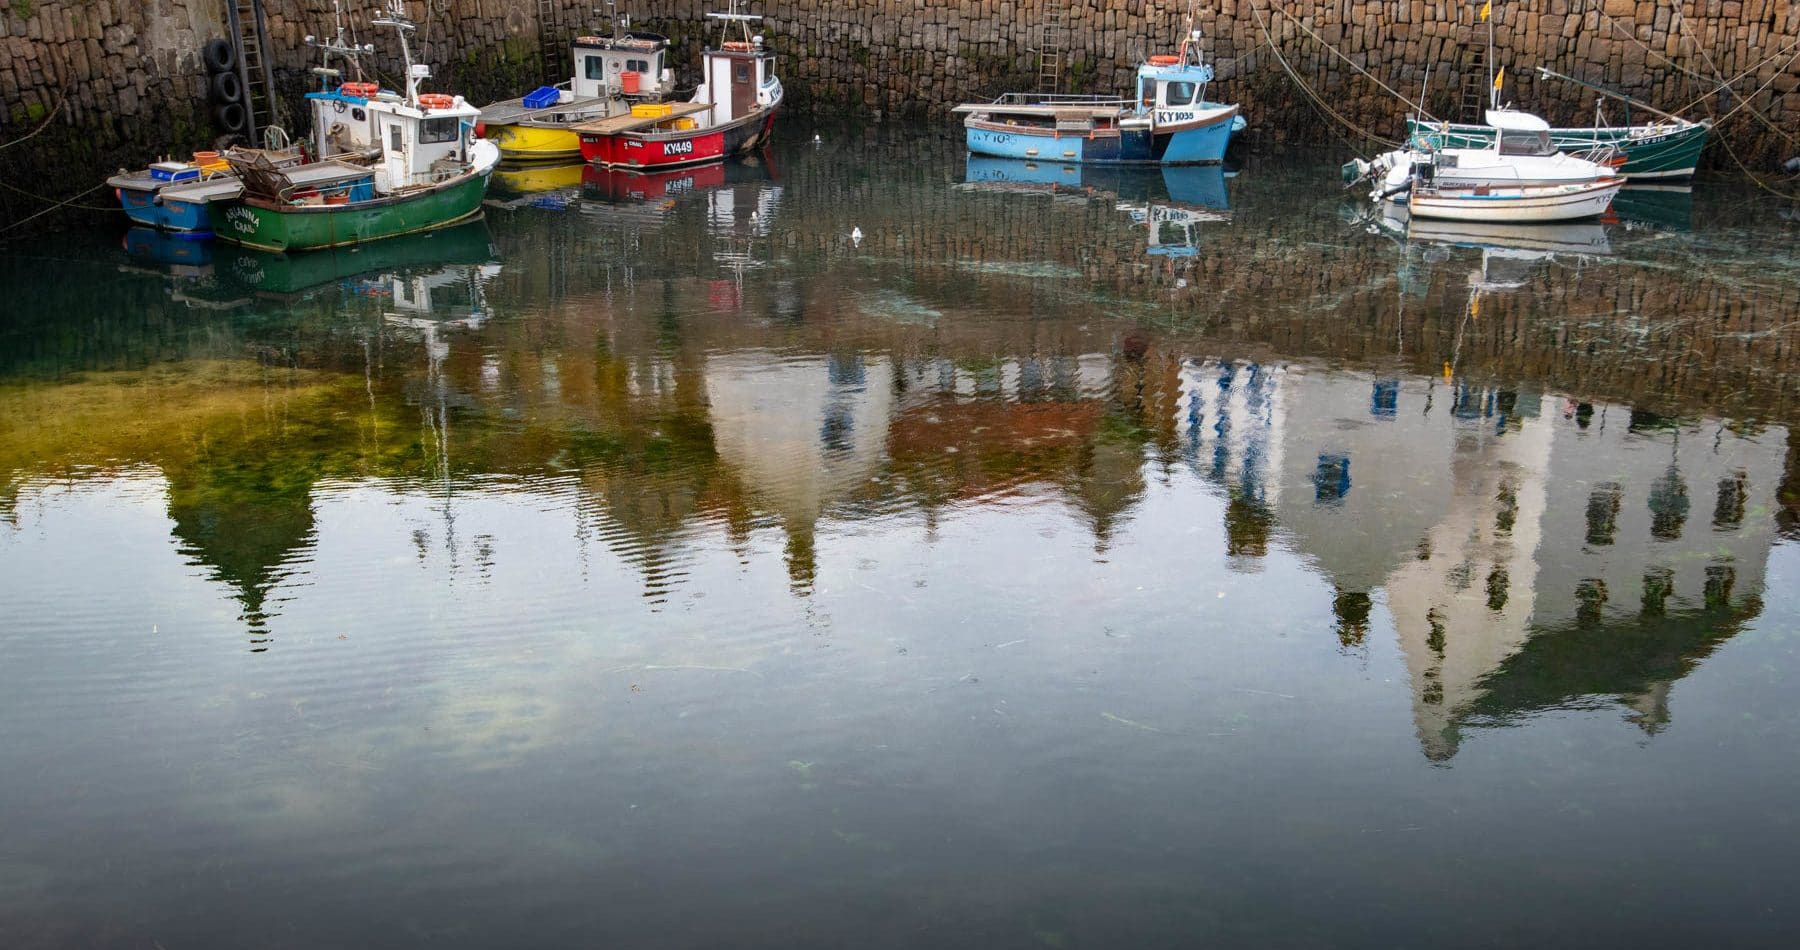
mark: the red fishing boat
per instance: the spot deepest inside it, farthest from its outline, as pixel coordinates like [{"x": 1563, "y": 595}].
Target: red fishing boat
[{"x": 732, "y": 112}]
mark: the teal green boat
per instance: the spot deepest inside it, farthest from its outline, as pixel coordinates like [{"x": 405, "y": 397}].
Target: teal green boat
[
  {"x": 1669, "y": 149},
  {"x": 1664, "y": 150}
]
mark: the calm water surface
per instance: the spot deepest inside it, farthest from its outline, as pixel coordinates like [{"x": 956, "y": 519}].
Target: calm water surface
[{"x": 1078, "y": 560}]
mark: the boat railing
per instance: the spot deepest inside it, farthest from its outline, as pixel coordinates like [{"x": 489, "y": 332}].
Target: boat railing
[
  {"x": 1605, "y": 154},
  {"x": 1059, "y": 99}
]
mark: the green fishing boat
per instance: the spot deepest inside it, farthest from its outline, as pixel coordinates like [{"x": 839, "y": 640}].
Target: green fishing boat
[
  {"x": 269, "y": 222},
  {"x": 430, "y": 171}
]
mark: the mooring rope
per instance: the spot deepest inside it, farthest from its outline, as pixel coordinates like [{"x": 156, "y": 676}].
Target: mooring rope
[
  {"x": 1316, "y": 100},
  {"x": 1347, "y": 60},
  {"x": 42, "y": 125},
  {"x": 60, "y": 204}
]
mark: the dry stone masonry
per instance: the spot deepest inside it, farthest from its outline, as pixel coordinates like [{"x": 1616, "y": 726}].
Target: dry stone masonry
[{"x": 121, "y": 80}]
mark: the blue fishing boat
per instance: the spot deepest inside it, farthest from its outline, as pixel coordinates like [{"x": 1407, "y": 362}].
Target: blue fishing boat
[
  {"x": 1168, "y": 122},
  {"x": 145, "y": 194}
]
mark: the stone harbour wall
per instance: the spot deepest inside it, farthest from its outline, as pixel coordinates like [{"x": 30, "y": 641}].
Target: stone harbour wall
[{"x": 115, "y": 82}]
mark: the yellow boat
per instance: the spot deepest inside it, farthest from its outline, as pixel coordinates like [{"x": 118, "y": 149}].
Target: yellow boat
[
  {"x": 612, "y": 73},
  {"x": 527, "y": 141}
]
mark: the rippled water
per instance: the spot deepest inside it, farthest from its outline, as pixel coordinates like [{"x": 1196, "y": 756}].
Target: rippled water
[{"x": 1074, "y": 560}]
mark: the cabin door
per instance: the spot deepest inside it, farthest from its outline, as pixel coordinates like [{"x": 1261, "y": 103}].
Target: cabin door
[{"x": 743, "y": 87}]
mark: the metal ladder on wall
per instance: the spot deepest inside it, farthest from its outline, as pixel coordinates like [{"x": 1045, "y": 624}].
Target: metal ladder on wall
[
  {"x": 1052, "y": 45},
  {"x": 1474, "y": 101},
  {"x": 250, "y": 33},
  {"x": 550, "y": 42}
]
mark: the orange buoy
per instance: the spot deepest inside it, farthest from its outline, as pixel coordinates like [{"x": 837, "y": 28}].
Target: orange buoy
[
  {"x": 1164, "y": 60},
  {"x": 436, "y": 100}
]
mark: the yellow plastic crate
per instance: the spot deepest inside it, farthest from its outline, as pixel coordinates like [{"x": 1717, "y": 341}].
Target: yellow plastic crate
[{"x": 649, "y": 110}]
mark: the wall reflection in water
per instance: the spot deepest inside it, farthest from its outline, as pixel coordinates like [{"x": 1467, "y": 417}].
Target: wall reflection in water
[{"x": 631, "y": 425}]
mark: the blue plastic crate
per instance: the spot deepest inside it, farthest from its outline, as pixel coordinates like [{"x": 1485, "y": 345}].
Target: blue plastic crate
[
  {"x": 173, "y": 171},
  {"x": 542, "y": 97}
]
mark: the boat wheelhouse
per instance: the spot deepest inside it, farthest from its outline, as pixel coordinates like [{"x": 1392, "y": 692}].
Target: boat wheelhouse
[
  {"x": 1169, "y": 121},
  {"x": 612, "y": 74},
  {"x": 732, "y": 112}
]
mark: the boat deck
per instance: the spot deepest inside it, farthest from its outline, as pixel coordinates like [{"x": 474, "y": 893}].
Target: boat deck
[
  {"x": 513, "y": 112},
  {"x": 1060, "y": 111},
  {"x": 200, "y": 192},
  {"x": 620, "y": 124}
]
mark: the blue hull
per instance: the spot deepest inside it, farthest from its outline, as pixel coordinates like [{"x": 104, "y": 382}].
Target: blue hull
[
  {"x": 142, "y": 207},
  {"x": 1202, "y": 146}
]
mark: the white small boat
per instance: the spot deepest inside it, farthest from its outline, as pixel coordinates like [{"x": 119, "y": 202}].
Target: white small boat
[
  {"x": 1520, "y": 153},
  {"x": 1514, "y": 204}
]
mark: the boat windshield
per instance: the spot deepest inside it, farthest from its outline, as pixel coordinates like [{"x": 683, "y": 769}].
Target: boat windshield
[
  {"x": 1525, "y": 143},
  {"x": 1180, "y": 93}
]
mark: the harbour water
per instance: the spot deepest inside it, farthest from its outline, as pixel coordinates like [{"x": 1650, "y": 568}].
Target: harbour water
[{"x": 1066, "y": 559}]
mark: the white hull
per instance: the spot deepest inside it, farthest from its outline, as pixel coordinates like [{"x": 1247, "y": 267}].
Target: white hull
[{"x": 1528, "y": 205}]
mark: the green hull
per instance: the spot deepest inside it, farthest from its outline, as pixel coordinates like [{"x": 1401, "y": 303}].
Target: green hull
[
  {"x": 1653, "y": 152},
  {"x": 313, "y": 227}
]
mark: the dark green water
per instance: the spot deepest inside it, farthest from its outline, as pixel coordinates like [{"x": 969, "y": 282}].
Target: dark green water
[{"x": 1141, "y": 562}]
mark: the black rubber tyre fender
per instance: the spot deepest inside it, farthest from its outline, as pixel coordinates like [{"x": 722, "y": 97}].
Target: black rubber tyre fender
[
  {"x": 231, "y": 116},
  {"x": 220, "y": 56},
  {"x": 225, "y": 87}
]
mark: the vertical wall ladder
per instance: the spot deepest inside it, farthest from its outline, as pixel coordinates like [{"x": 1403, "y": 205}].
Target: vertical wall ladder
[
  {"x": 550, "y": 42},
  {"x": 1052, "y": 45},
  {"x": 1475, "y": 82},
  {"x": 250, "y": 34}
]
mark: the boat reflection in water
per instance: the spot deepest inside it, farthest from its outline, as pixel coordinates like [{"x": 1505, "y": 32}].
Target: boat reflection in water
[
  {"x": 1512, "y": 255},
  {"x": 1655, "y": 207},
  {"x": 731, "y": 190},
  {"x": 1172, "y": 202},
  {"x": 535, "y": 184},
  {"x": 222, "y": 274}
]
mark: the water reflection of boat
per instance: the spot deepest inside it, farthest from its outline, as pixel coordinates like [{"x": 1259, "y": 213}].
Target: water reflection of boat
[
  {"x": 185, "y": 263},
  {"x": 538, "y": 185},
  {"x": 656, "y": 195},
  {"x": 1533, "y": 239},
  {"x": 1171, "y": 201},
  {"x": 1512, "y": 255},
  {"x": 1197, "y": 186},
  {"x": 289, "y": 274},
  {"x": 1656, "y": 207},
  {"x": 168, "y": 249}
]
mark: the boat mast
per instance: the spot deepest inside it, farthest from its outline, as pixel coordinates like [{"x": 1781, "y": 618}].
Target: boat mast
[
  {"x": 743, "y": 19},
  {"x": 403, "y": 25},
  {"x": 1548, "y": 73},
  {"x": 1487, "y": 13},
  {"x": 339, "y": 46}
]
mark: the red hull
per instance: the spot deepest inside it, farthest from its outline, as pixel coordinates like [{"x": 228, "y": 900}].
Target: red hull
[
  {"x": 642, "y": 152},
  {"x": 638, "y": 151}
]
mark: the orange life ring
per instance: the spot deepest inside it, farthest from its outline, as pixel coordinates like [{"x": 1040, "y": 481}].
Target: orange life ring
[
  {"x": 436, "y": 100},
  {"x": 361, "y": 90},
  {"x": 1165, "y": 60},
  {"x": 737, "y": 45}
]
